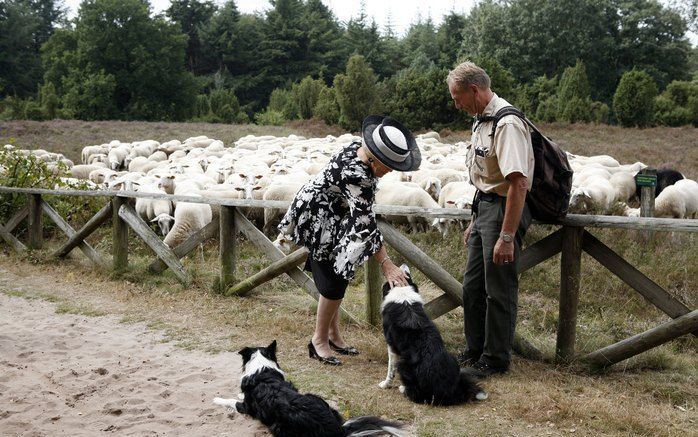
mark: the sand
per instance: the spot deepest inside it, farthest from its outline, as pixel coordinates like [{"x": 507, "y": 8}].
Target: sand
[{"x": 72, "y": 375}]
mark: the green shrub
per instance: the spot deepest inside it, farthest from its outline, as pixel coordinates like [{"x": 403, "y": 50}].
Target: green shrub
[
  {"x": 547, "y": 110},
  {"x": 327, "y": 108},
  {"x": 91, "y": 97},
  {"x": 676, "y": 106},
  {"x": 530, "y": 96},
  {"x": 281, "y": 100},
  {"x": 49, "y": 100},
  {"x": 18, "y": 170},
  {"x": 600, "y": 112},
  {"x": 573, "y": 97},
  {"x": 502, "y": 81},
  {"x": 357, "y": 93},
  {"x": 269, "y": 117},
  {"x": 633, "y": 102},
  {"x": 34, "y": 111},
  {"x": 305, "y": 95}
]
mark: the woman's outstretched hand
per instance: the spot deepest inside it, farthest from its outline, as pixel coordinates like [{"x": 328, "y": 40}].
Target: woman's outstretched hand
[{"x": 394, "y": 274}]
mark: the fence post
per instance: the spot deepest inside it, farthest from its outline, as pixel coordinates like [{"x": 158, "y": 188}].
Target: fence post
[
  {"x": 228, "y": 251},
  {"x": 570, "y": 265},
  {"x": 119, "y": 236},
  {"x": 374, "y": 284},
  {"x": 35, "y": 226},
  {"x": 647, "y": 180}
]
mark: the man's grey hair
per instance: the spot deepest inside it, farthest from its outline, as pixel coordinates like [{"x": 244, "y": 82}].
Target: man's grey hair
[{"x": 467, "y": 73}]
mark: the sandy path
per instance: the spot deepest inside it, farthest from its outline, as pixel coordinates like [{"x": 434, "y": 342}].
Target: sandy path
[{"x": 71, "y": 375}]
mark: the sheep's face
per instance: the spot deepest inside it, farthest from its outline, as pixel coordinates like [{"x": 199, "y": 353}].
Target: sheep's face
[
  {"x": 441, "y": 225},
  {"x": 284, "y": 243},
  {"x": 579, "y": 199},
  {"x": 164, "y": 222}
]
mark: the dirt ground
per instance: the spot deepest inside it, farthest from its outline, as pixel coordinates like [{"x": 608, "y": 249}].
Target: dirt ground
[{"x": 72, "y": 375}]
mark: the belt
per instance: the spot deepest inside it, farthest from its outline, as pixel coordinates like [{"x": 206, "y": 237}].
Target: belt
[{"x": 490, "y": 197}]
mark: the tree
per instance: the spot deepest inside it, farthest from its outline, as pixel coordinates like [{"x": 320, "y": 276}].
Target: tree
[
  {"x": 502, "y": 81},
  {"x": 306, "y": 94},
  {"x": 326, "y": 50},
  {"x": 191, "y": 15},
  {"x": 652, "y": 38},
  {"x": 633, "y": 102},
  {"x": 122, "y": 51},
  {"x": 573, "y": 95},
  {"x": 678, "y": 104},
  {"x": 420, "y": 98},
  {"x": 20, "y": 64},
  {"x": 327, "y": 108},
  {"x": 356, "y": 92},
  {"x": 449, "y": 39},
  {"x": 421, "y": 39}
]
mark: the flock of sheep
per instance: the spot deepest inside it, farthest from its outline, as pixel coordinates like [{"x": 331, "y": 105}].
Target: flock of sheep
[{"x": 274, "y": 168}]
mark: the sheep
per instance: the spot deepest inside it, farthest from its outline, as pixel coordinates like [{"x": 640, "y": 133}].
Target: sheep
[
  {"x": 82, "y": 171},
  {"x": 155, "y": 210},
  {"x": 671, "y": 203},
  {"x": 624, "y": 184},
  {"x": 102, "y": 175},
  {"x": 597, "y": 193},
  {"x": 689, "y": 188},
  {"x": 403, "y": 195},
  {"x": 432, "y": 186},
  {"x": 88, "y": 151},
  {"x": 445, "y": 175},
  {"x": 455, "y": 191},
  {"x": 189, "y": 218},
  {"x": 117, "y": 156}
]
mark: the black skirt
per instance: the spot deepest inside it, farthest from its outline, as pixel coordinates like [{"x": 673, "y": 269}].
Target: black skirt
[{"x": 329, "y": 284}]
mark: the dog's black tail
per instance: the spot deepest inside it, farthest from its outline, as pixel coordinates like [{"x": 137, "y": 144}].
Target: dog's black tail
[
  {"x": 469, "y": 389},
  {"x": 372, "y": 426}
]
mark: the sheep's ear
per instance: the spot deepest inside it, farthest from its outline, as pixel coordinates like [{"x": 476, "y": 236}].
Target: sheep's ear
[{"x": 155, "y": 219}]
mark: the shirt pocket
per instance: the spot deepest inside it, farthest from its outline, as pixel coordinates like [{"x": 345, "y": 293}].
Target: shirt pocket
[{"x": 485, "y": 161}]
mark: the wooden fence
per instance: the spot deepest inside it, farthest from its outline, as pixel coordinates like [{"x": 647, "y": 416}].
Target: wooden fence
[{"x": 571, "y": 239}]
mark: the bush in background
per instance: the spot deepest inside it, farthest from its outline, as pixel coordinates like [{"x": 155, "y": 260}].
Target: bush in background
[
  {"x": 357, "y": 93},
  {"x": 306, "y": 94},
  {"x": 573, "y": 97},
  {"x": 633, "y": 102},
  {"x": 327, "y": 108},
  {"x": 678, "y": 104}
]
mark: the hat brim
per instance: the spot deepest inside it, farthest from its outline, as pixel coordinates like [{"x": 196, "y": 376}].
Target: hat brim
[{"x": 413, "y": 160}]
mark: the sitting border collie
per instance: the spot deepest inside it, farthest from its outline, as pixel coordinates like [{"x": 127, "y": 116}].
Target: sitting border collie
[
  {"x": 429, "y": 373},
  {"x": 275, "y": 402}
]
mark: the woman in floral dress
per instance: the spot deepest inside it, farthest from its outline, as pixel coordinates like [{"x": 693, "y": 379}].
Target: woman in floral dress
[{"x": 332, "y": 215}]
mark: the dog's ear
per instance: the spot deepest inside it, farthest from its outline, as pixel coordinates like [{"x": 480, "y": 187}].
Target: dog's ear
[
  {"x": 246, "y": 353},
  {"x": 272, "y": 349}
]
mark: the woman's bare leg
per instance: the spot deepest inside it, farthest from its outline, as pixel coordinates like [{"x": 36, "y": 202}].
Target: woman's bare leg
[
  {"x": 335, "y": 334},
  {"x": 327, "y": 309}
]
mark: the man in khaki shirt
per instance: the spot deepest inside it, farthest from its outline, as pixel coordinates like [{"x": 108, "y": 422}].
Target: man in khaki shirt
[{"x": 501, "y": 168}]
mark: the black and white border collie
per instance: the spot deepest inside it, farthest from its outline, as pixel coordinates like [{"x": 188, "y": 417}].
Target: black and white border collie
[
  {"x": 275, "y": 402},
  {"x": 415, "y": 348}
]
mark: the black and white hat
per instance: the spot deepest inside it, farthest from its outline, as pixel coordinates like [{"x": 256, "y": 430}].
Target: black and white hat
[{"x": 391, "y": 142}]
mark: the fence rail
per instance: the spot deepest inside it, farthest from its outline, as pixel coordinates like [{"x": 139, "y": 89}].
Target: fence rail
[{"x": 571, "y": 240}]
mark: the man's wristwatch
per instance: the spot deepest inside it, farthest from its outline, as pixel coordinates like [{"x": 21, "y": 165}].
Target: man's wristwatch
[{"x": 507, "y": 238}]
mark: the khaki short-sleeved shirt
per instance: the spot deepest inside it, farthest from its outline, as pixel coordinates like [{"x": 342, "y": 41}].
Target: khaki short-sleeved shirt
[{"x": 491, "y": 160}]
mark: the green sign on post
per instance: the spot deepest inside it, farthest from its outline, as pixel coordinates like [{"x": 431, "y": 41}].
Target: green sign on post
[{"x": 646, "y": 180}]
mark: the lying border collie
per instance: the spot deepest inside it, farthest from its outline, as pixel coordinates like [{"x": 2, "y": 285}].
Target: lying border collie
[
  {"x": 429, "y": 373},
  {"x": 275, "y": 402}
]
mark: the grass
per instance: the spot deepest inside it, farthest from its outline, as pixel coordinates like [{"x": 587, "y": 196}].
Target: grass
[{"x": 652, "y": 394}]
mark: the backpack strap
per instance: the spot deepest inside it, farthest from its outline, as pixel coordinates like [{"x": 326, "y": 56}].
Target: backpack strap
[{"x": 510, "y": 110}]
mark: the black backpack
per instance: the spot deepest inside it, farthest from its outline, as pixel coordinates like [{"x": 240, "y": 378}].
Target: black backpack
[{"x": 549, "y": 197}]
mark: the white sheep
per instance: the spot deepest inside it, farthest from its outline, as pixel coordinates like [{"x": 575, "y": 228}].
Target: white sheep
[
  {"x": 598, "y": 193},
  {"x": 689, "y": 188},
  {"x": 400, "y": 194},
  {"x": 278, "y": 191},
  {"x": 189, "y": 218},
  {"x": 82, "y": 171},
  {"x": 155, "y": 210}
]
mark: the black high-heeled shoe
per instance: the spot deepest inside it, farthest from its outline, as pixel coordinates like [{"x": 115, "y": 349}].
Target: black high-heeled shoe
[
  {"x": 312, "y": 353},
  {"x": 349, "y": 350}
]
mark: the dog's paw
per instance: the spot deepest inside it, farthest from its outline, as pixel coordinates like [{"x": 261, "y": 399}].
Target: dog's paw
[
  {"x": 384, "y": 384},
  {"x": 402, "y": 389}
]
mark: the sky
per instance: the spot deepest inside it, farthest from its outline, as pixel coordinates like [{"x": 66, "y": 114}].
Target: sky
[{"x": 402, "y": 13}]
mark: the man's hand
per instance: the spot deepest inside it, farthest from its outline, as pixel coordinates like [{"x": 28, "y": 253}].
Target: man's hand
[
  {"x": 466, "y": 233},
  {"x": 503, "y": 252}
]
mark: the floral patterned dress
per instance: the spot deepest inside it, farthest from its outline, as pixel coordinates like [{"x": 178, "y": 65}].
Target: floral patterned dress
[{"x": 332, "y": 214}]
